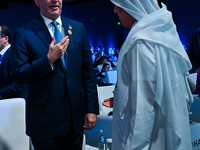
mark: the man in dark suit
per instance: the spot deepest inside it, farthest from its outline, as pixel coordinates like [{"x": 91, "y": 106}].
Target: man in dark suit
[
  {"x": 8, "y": 89},
  {"x": 62, "y": 99}
]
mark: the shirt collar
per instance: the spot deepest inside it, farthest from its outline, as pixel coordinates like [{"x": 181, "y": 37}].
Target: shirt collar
[
  {"x": 2, "y": 52},
  {"x": 48, "y": 21}
]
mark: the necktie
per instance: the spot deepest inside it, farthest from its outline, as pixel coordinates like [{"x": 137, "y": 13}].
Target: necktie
[{"x": 58, "y": 37}]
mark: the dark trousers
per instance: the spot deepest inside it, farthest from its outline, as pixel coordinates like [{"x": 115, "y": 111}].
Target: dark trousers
[{"x": 72, "y": 141}]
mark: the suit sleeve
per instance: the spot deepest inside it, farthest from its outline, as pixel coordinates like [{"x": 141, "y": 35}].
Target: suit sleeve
[
  {"x": 25, "y": 70},
  {"x": 89, "y": 78},
  {"x": 10, "y": 91}
]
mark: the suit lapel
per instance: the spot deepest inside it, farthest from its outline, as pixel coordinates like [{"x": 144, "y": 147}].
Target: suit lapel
[
  {"x": 68, "y": 32},
  {"x": 41, "y": 30}
]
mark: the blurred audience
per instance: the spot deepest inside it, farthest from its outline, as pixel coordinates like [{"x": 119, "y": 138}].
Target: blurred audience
[
  {"x": 103, "y": 60},
  {"x": 93, "y": 56},
  {"x": 101, "y": 76},
  {"x": 110, "y": 62},
  {"x": 97, "y": 59},
  {"x": 115, "y": 56},
  {"x": 100, "y": 49},
  {"x": 198, "y": 83}
]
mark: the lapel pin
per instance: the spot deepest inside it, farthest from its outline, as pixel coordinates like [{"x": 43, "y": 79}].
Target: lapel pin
[
  {"x": 70, "y": 27},
  {"x": 70, "y": 32}
]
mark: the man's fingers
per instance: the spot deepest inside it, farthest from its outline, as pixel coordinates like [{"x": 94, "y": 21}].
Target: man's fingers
[
  {"x": 108, "y": 102},
  {"x": 64, "y": 41},
  {"x": 90, "y": 121},
  {"x": 57, "y": 50},
  {"x": 90, "y": 126}
]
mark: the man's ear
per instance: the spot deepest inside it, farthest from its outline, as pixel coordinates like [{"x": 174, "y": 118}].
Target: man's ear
[{"x": 6, "y": 38}]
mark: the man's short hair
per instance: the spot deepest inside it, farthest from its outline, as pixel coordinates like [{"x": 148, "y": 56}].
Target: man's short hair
[{"x": 5, "y": 31}]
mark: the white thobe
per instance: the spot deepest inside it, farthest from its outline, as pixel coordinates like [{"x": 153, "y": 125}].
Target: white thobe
[{"x": 152, "y": 96}]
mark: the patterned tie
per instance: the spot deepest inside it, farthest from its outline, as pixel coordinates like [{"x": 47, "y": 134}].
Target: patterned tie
[{"x": 58, "y": 37}]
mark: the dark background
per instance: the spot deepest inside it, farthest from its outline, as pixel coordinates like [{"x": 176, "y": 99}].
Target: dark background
[{"x": 100, "y": 21}]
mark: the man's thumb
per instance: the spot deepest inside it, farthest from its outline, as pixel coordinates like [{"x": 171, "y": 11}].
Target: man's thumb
[{"x": 53, "y": 41}]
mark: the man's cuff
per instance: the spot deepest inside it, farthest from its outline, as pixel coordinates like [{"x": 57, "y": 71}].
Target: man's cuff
[{"x": 52, "y": 67}]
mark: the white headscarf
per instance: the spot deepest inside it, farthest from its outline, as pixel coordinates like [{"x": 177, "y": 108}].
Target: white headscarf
[{"x": 137, "y": 8}]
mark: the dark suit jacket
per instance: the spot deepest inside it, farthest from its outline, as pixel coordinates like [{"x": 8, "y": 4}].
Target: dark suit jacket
[
  {"x": 54, "y": 96},
  {"x": 8, "y": 89}
]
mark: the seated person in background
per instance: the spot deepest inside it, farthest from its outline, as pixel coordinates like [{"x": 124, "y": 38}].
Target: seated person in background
[
  {"x": 103, "y": 60},
  {"x": 115, "y": 56},
  {"x": 101, "y": 76},
  {"x": 8, "y": 89},
  {"x": 198, "y": 83},
  {"x": 110, "y": 62},
  {"x": 93, "y": 56},
  {"x": 97, "y": 59}
]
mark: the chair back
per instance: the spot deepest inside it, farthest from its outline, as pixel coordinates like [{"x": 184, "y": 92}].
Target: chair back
[
  {"x": 192, "y": 80},
  {"x": 105, "y": 92},
  {"x": 111, "y": 76},
  {"x": 12, "y": 124}
]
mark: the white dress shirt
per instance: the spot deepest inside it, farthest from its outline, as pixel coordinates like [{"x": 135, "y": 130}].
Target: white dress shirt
[
  {"x": 51, "y": 27},
  {"x": 3, "y": 51}
]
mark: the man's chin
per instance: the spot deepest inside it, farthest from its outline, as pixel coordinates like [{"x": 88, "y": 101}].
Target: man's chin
[{"x": 55, "y": 14}]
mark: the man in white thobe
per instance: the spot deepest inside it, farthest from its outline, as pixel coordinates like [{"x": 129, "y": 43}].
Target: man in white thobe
[{"x": 152, "y": 96}]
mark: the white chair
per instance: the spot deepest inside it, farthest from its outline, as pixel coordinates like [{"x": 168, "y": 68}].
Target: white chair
[
  {"x": 193, "y": 76},
  {"x": 192, "y": 79},
  {"x": 84, "y": 142},
  {"x": 105, "y": 92},
  {"x": 111, "y": 76},
  {"x": 195, "y": 107},
  {"x": 12, "y": 124}
]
